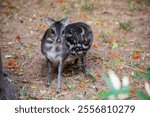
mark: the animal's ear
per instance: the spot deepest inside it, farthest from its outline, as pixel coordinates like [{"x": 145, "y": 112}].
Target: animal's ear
[
  {"x": 49, "y": 21},
  {"x": 65, "y": 21}
]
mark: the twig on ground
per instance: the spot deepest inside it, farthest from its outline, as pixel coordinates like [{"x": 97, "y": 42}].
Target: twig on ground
[
  {"x": 22, "y": 44},
  {"x": 131, "y": 67}
]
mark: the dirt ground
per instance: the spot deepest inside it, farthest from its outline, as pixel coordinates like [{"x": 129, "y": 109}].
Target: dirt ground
[{"x": 121, "y": 42}]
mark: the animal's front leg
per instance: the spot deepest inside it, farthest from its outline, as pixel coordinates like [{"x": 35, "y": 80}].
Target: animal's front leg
[
  {"x": 59, "y": 76},
  {"x": 49, "y": 65}
]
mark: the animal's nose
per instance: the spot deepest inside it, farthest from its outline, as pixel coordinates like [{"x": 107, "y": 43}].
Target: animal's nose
[{"x": 58, "y": 40}]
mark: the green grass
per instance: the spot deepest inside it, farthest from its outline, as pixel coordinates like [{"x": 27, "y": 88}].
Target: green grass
[
  {"x": 138, "y": 46},
  {"x": 86, "y": 6},
  {"x": 24, "y": 92},
  {"x": 49, "y": 97},
  {"x": 148, "y": 1},
  {"x": 65, "y": 8},
  {"x": 122, "y": 42},
  {"x": 127, "y": 26},
  {"x": 133, "y": 6}
]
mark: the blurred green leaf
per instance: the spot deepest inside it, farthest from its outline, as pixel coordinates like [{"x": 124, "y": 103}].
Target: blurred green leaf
[
  {"x": 103, "y": 94},
  {"x": 87, "y": 6},
  {"x": 84, "y": 94},
  {"x": 126, "y": 25},
  {"x": 90, "y": 75},
  {"x": 109, "y": 83},
  {"x": 146, "y": 74},
  {"x": 114, "y": 45},
  {"x": 141, "y": 95},
  {"x": 49, "y": 97},
  {"x": 112, "y": 91}
]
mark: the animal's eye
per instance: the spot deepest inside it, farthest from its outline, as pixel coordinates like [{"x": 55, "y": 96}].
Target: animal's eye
[
  {"x": 63, "y": 32},
  {"x": 52, "y": 31},
  {"x": 49, "y": 40}
]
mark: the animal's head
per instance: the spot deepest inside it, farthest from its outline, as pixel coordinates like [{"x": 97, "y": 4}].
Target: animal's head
[{"x": 56, "y": 29}]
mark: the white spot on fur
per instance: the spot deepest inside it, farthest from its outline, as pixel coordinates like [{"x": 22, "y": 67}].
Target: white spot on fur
[
  {"x": 85, "y": 47},
  {"x": 82, "y": 31},
  {"x": 79, "y": 45},
  {"x": 68, "y": 35},
  {"x": 70, "y": 46},
  {"x": 80, "y": 52}
]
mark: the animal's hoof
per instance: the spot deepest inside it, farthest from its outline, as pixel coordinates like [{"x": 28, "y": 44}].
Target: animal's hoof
[
  {"x": 58, "y": 90},
  {"x": 47, "y": 83}
]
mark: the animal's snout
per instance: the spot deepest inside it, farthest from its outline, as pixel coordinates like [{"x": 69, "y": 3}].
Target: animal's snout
[{"x": 58, "y": 40}]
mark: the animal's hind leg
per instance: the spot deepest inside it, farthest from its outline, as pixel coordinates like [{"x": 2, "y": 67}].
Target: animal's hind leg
[
  {"x": 83, "y": 65},
  {"x": 76, "y": 61},
  {"x": 85, "y": 70}
]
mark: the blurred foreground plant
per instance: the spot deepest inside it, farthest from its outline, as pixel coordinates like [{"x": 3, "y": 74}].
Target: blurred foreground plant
[
  {"x": 141, "y": 95},
  {"x": 117, "y": 89},
  {"x": 120, "y": 89},
  {"x": 145, "y": 75}
]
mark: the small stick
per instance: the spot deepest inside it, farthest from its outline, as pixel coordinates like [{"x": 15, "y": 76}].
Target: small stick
[
  {"x": 22, "y": 44},
  {"x": 131, "y": 67}
]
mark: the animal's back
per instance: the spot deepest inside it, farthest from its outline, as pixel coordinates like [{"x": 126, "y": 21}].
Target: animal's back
[{"x": 78, "y": 38}]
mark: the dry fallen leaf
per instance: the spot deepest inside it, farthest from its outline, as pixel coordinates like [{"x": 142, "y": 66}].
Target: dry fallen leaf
[
  {"x": 11, "y": 62},
  {"x": 7, "y": 56},
  {"x": 98, "y": 75},
  {"x": 43, "y": 26},
  {"x": 95, "y": 45},
  {"x": 65, "y": 88},
  {"x": 61, "y": 1},
  {"x": 142, "y": 69},
  {"x": 84, "y": 16},
  {"x": 18, "y": 37},
  {"x": 81, "y": 85},
  {"x": 114, "y": 55},
  {"x": 33, "y": 86},
  {"x": 111, "y": 41},
  {"x": 11, "y": 67},
  {"x": 132, "y": 91},
  {"x": 96, "y": 35},
  {"x": 136, "y": 56}
]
